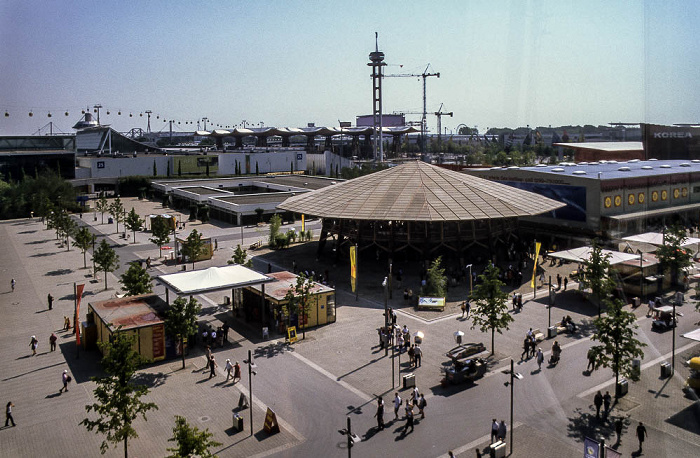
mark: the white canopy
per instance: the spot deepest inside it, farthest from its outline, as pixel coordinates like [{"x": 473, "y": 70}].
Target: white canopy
[
  {"x": 693, "y": 335},
  {"x": 212, "y": 279},
  {"x": 657, "y": 238},
  {"x": 583, "y": 254}
]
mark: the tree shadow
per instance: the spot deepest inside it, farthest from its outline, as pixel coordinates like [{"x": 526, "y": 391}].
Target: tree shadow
[
  {"x": 54, "y": 273},
  {"x": 151, "y": 380},
  {"x": 585, "y": 424},
  {"x": 27, "y": 232},
  {"x": 43, "y": 255},
  {"x": 272, "y": 350},
  {"x": 37, "y": 242}
]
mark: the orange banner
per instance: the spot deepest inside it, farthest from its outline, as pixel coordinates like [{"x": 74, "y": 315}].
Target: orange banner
[
  {"x": 538, "y": 245},
  {"x": 353, "y": 267},
  {"x": 303, "y": 223}
]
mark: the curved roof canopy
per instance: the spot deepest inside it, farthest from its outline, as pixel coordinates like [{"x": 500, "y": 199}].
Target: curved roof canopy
[
  {"x": 417, "y": 191},
  {"x": 308, "y": 131}
]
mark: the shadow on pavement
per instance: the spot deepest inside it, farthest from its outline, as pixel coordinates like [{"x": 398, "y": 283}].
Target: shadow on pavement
[
  {"x": 54, "y": 273},
  {"x": 688, "y": 418},
  {"x": 150, "y": 380},
  {"x": 31, "y": 372},
  {"x": 585, "y": 424},
  {"x": 271, "y": 350}
]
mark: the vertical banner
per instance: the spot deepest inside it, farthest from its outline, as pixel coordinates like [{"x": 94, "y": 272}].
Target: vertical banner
[
  {"x": 353, "y": 267},
  {"x": 78, "y": 297},
  {"x": 303, "y": 223},
  {"x": 534, "y": 268},
  {"x": 591, "y": 448}
]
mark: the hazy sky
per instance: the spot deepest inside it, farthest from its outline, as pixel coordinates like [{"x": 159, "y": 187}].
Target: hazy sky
[{"x": 288, "y": 63}]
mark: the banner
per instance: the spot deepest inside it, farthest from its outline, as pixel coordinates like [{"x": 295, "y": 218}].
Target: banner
[
  {"x": 76, "y": 319},
  {"x": 591, "y": 448},
  {"x": 303, "y": 223},
  {"x": 612, "y": 453},
  {"x": 534, "y": 268},
  {"x": 353, "y": 267}
]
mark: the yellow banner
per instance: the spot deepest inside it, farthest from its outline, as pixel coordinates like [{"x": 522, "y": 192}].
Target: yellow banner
[
  {"x": 303, "y": 223},
  {"x": 534, "y": 268},
  {"x": 353, "y": 267}
]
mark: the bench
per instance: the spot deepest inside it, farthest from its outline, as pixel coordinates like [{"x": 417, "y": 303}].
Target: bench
[
  {"x": 256, "y": 245},
  {"x": 539, "y": 336}
]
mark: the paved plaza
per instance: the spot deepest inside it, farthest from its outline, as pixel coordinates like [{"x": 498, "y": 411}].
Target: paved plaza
[{"x": 334, "y": 374}]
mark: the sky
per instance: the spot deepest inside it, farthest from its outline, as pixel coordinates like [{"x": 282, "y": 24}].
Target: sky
[{"x": 289, "y": 63}]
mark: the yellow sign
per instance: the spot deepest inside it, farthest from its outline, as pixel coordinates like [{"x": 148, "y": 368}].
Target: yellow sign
[
  {"x": 640, "y": 198},
  {"x": 676, "y": 193},
  {"x": 271, "y": 425},
  {"x": 684, "y": 192},
  {"x": 655, "y": 196},
  {"x": 608, "y": 202},
  {"x": 630, "y": 199},
  {"x": 664, "y": 194},
  {"x": 538, "y": 245},
  {"x": 353, "y": 267},
  {"x": 303, "y": 223},
  {"x": 292, "y": 334},
  {"x": 618, "y": 201}
]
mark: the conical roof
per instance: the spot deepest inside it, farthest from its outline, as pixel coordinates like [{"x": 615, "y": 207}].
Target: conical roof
[{"x": 417, "y": 191}]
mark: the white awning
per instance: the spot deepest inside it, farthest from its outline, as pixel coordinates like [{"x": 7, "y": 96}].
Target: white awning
[
  {"x": 583, "y": 254},
  {"x": 693, "y": 335},
  {"x": 657, "y": 238},
  {"x": 212, "y": 279}
]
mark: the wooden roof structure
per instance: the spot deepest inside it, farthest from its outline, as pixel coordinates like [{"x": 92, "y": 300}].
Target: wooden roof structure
[{"x": 418, "y": 191}]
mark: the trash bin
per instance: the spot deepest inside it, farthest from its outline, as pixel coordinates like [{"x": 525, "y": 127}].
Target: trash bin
[
  {"x": 622, "y": 387},
  {"x": 237, "y": 422},
  {"x": 110, "y": 220},
  {"x": 497, "y": 449},
  {"x": 665, "y": 370},
  {"x": 551, "y": 332},
  {"x": 636, "y": 367},
  {"x": 409, "y": 380}
]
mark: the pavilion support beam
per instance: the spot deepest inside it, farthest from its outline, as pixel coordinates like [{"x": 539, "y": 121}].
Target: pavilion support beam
[{"x": 325, "y": 228}]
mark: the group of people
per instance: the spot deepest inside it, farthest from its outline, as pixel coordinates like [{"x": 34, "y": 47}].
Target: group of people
[
  {"x": 417, "y": 400},
  {"x": 229, "y": 368},
  {"x": 212, "y": 338},
  {"x": 402, "y": 338},
  {"x": 498, "y": 430}
]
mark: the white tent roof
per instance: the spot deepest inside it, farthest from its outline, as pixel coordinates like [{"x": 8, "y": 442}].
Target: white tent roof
[
  {"x": 583, "y": 254},
  {"x": 693, "y": 335},
  {"x": 212, "y": 279},
  {"x": 657, "y": 238}
]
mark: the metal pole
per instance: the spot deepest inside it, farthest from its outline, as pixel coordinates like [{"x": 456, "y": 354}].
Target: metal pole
[
  {"x": 393, "y": 361},
  {"x": 75, "y": 318},
  {"x": 512, "y": 372},
  {"x": 641, "y": 277},
  {"x": 349, "y": 438},
  {"x": 673, "y": 347},
  {"x": 250, "y": 388},
  {"x": 391, "y": 275},
  {"x": 549, "y": 319},
  {"x": 386, "y": 315},
  {"x": 534, "y": 274}
]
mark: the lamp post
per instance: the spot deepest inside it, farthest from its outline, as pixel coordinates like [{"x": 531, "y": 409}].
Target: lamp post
[
  {"x": 352, "y": 438},
  {"x": 513, "y": 375},
  {"x": 551, "y": 302},
  {"x": 391, "y": 276},
  {"x": 124, "y": 222},
  {"x": 471, "y": 287},
  {"x": 251, "y": 373},
  {"x": 386, "y": 313}
]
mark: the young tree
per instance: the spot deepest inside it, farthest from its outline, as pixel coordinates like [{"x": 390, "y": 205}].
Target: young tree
[
  {"x": 194, "y": 247},
  {"x": 116, "y": 209},
  {"x": 181, "y": 320},
  {"x": 118, "y": 398},
  {"x": 436, "y": 282},
  {"x": 133, "y": 222},
  {"x": 102, "y": 206},
  {"x": 489, "y": 309},
  {"x": 136, "y": 280},
  {"x": 672, "y": 254},
  {"x": 191, "y": 441},
  {"x": 618, "y": 344},
  {"x": 299, "y": 301},
  {"x": 596, "y": 275},
  {"x": 275, "y": 224},
  {"x": 239, "y": 257},
  {"x": 105, "y": 259},
  {"x": 160, "y": 232},
  {"x": 69, "y": 228},
  {"x": 84, "y": 240}
]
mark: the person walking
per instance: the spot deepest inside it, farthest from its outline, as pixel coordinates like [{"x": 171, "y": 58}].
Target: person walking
[
  {"x": 208, "y": 357},
  {"x": 411, "y": 356},
  {"x": 65, "y": 378},
  {"x": 212, "y": 367},
  {"x": 641, "y": 434},
  {"x": 228, "y": 367},
  {"x": 607, "y": 400},
  {"x": 418, "y": 355},
  {"x": 559, "y": 281},
  {"x": 409, "y": 417},
  {"x": 8, "y": 414},
  {"x": 468, "y": 306},
  {"x": 618, "y": 430},
  {"x": 464, "y": 308},
  {"x": 236, "y": 372},
  {"x": 494, "y": 430},
  {"x": 33, "y": 344},
  {"x": 526, "y": 349},
  {"x": 52, "y": 341},
  {"x": 591, "y": 361},
  {"x": 12, "y": 284},
  {"x": 421, "y": 406},
  {"x": 49, "y": 298},
  {"x": 566, "y": 282},
  {"x": 397, "y": 403},
  {"x": 598, "y": 402},
  {"x": 540, "y": 359},
  {"x": 66, "y": 323},
  {"x": 502, "y": 431},
  {"x": 380, "y": 413}
]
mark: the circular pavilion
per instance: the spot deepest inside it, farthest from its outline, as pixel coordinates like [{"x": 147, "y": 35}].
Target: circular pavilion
[{"x": 421, "y": 208}]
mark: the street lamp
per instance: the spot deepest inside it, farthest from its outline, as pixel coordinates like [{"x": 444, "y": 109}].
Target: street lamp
[
  {"x": 513, "y": 375},
  {"x": 352, "y": 438},
  {"x": 251, "y": 373},
  {"x": 471, "y": 287},
  {"x": 386, "y": 313}
]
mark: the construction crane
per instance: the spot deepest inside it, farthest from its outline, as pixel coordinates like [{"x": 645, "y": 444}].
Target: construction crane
[
  {"x": 439, "y": 114},
  {"x": 425, "y": 76}
]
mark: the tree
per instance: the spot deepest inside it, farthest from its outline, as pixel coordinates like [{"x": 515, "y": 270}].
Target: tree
[
  {"x": 102, "y": 206},
  {"x": 155, "y": 169},
  {"x": 105, "y": 259},
  {"x": 136, "y": 280},
  {"x": 116, "y": 209},
  {"x": 672, "y": 254},
  {"x": 191, "y": 441},
  {"x": 194, "y": 247},
  {"x": 179, "y": 168},
  {"x": 490, "y": 311},
  {"x": 118, "y": 398},
  {"x": 298, "y": 300},
  {"x": 133, "y": 222},
  {"x": 618, "y": 344},
  {"x": 436, "y": 282},
  {"x": 160, "y": 232},
  {"x": 84, "y": 240},
  {"x": 239, "y": 257},
  {"x": 68, "y": 228},
  {"x": 596, "y": 275},
  {"x": 181, "y": 320},
  {"x": 275, "y": 224}
]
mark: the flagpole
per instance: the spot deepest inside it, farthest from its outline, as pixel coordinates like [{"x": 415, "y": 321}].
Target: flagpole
[{"x": 75, "y": 319}]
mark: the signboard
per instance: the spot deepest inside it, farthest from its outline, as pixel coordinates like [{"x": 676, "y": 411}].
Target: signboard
[
  {"x": 612, "y": 453},
  {"x": 292, "y": 334},
  {"x": 271, "y": 425},
  {"x": 158, "y": 341},
  {"x": 591, "y": 448}
]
